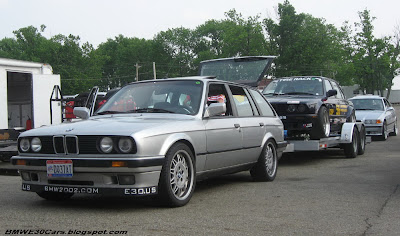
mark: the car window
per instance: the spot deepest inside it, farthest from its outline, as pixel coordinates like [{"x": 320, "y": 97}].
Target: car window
[
  {"x": 387, "y": 103},
  {"x": 218, "y": 93},
  {"x": 368, "y": 104},
  {"x": 181, "y": 97},
  {"x": 339, "y": 91},
  {"x": 295, "y": 85},
  {"x": 265, "y": 108},
  {"x": 328, "y": 85},
  {"x": 241, "y": 101}
]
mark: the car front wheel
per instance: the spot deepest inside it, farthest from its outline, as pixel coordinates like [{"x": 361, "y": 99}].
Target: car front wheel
[
  {"x": 178, "y": 177},
  {"x": 322, "y": 126},
  {"x": 267, "y": 164},
  {"x": 384, "y": 135}
]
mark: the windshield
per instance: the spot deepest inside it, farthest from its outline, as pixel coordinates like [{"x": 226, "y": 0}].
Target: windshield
[
  {"x": 293, "y": 86},
  {"x": 248, "y": 70},
  {"x": 368, "y": 104},
  {"x": 182, "y": 97}
]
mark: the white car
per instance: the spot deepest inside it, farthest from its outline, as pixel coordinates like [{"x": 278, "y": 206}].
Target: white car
[{"x": 378, "y": 115}]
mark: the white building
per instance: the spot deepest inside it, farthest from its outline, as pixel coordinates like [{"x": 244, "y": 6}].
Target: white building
[{"x": 25, "y": 91}]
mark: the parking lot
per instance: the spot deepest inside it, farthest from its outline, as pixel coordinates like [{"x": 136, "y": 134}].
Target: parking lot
[{"x": 314, "y": 194}]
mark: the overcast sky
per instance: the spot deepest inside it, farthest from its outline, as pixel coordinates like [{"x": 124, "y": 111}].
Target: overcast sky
[{"x": 97, "y": 20}]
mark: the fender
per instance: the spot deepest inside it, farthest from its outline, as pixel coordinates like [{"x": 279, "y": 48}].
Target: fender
[
  {"x": 266, "y": 137},
  {"x": 172, "y": 139}
]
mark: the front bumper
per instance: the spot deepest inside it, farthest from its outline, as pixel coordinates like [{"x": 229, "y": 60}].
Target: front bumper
[
  {"x": 374, "y": 130},
  {"x": 138, "y": 177},
  {"x": 298, "y": 122}
]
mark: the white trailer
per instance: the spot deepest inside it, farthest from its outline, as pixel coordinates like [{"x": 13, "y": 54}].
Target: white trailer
[
  {"x": 352, "y": 139},
  {"x": 25, "y": 90}
]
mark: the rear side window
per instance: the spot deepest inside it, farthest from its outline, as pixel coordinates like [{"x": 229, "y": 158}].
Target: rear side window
[
  {"x": 241, "y": 101},
  {"x": 263, "y": 105}
]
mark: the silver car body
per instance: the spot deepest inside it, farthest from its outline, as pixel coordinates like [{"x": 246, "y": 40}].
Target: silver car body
[
  {"x": 377, "y": 113},
  {"x": 220, "y": 144}
]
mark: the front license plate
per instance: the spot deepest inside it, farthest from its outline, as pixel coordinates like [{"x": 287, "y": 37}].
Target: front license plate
[{"x": 59, "y": 168}]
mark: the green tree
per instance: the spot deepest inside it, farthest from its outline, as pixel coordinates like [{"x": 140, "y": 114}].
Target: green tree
[
  {"x": 305, "y": 45},
  {"x": 120, "y": 56},
  {"x": 372, "y": 58},
  {"x": 179, "y": 45}
]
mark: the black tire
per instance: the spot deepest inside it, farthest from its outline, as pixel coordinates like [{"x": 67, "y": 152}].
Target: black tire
[
  {"x": 352, "y": 117},
  {"x": 351, "y": 149},
  {"x": 322, "y": 125},
  {"x": 395, "y": 130},
  {"x": 51, "y": 196},
  {"x": 385, "y": 134},
  {"x": 267, "y": 165},
  {"x": 178, "y": 176},
  {"x": 362, "y": 139}
]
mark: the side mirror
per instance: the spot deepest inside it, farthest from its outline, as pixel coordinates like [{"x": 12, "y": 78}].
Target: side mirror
[
  {"x": 331, "y": 93},
  {"x": 82, "y": 112},
  {"x": 215, "y": 109}
]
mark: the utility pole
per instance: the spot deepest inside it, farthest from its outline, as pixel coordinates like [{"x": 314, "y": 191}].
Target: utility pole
[
  {"x": 154, "y": 70},
  {"x": 137, "y": 71}
]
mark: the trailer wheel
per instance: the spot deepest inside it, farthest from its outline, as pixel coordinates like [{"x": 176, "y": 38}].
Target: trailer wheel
[
  {"x": 351, "y": 149},
  {"x": 362, "y": 141},
  {"x": 50, "y": 196}
]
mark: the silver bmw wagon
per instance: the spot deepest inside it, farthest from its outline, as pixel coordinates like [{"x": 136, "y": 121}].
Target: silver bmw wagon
[{"x": 155, "y": 137}]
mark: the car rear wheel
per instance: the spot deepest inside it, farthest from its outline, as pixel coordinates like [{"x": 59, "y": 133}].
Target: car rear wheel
[
  {"x": 55, "y": 196},
  {"x": 267, "y": 164},
  {"x": 352, "y": 117},
  {"x": 178, "y": 177},
  {"x": 395, "y": 130},
  {"x": 322, "y": 127}
]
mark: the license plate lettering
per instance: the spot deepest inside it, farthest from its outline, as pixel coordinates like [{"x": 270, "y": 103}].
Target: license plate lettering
[{"x": 59, "y": 168}]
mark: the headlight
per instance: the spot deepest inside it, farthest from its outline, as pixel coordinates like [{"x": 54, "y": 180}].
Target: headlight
[
  {"x": 24, "y": 145},
  {"x": 125, "y": 145},
  {"x": 373, "y": 122},
  {"x": 36, "y": 144},
  {"x": 301, "y": 108},
  {"x": 291, "y": 108},
  {"x": 106, "y": 145}
]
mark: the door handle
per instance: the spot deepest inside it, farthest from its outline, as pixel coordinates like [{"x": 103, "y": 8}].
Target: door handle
[
  {"x": 261, "y": 124},
  {"x": 237, "y": 126}
]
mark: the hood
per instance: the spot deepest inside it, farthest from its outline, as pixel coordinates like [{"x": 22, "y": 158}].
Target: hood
[
  {"x": 121, "y": 124},
  {"x": 369, "y": 114}
]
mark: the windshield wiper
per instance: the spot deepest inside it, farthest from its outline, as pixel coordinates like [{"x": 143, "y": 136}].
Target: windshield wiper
[
  {"x": 299, "y": 93},
  {"x": 108, "y": 112},
  {"x": 150, "y": 110},
  {"x": 275, "y": 94}
]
